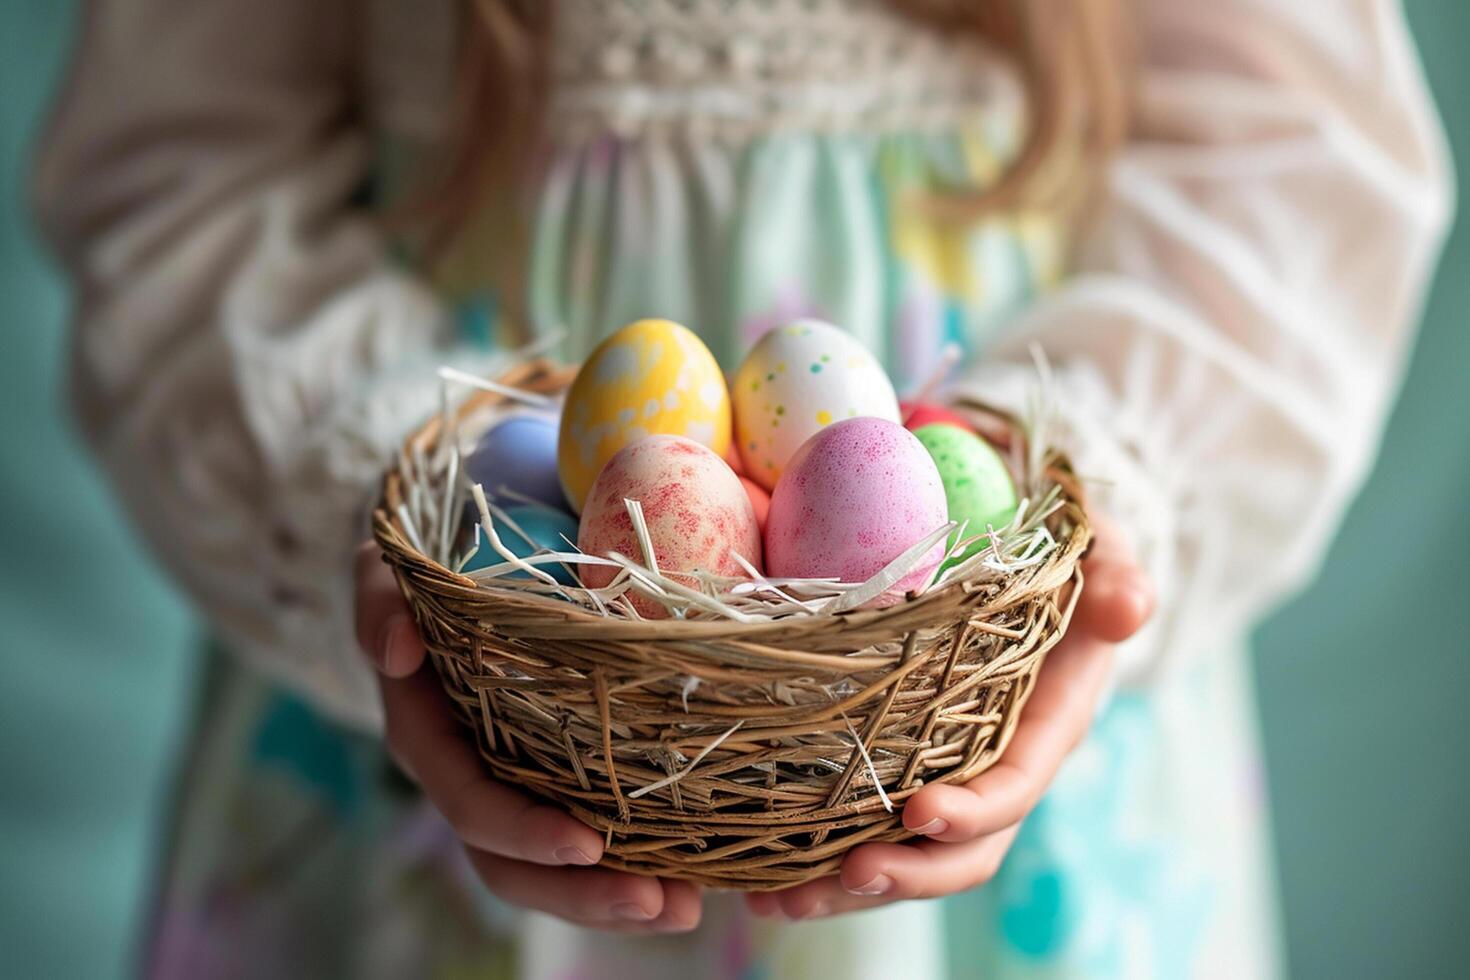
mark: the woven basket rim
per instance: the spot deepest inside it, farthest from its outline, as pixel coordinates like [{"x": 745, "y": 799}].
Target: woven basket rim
[{"x": 566, "y": 620}]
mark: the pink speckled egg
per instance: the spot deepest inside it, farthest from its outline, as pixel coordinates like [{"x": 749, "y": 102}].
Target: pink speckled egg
[
  {"x": 854, "y": 497},
  {"x": 697, "y": 511}
]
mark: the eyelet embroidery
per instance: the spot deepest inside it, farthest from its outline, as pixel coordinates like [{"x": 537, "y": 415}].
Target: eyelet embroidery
[{"x": 738, "y": 68}]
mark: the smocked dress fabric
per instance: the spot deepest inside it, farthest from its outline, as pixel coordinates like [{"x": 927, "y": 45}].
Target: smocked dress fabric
[{"x": 251, "y": 347}]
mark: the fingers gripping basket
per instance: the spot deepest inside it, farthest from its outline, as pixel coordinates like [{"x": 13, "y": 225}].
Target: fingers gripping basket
[{"x": 736, "y": 754}]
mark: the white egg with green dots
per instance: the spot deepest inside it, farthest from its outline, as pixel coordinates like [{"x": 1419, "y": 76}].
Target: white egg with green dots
[{"x": 798, "y": 379}]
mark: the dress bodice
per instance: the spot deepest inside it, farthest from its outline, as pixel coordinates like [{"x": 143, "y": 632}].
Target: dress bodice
[
  {"x": 731, "y": 164},
  {"x": 737, "y": 68}
]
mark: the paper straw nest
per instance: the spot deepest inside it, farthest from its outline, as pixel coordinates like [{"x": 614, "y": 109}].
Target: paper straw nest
[{"x": 767, "y": 727}]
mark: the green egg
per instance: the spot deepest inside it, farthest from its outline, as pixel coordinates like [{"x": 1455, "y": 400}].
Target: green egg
[{"x": 977, "y": 486}]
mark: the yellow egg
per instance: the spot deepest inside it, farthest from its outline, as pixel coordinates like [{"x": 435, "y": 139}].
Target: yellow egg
[{"x": 653, "y": 377}]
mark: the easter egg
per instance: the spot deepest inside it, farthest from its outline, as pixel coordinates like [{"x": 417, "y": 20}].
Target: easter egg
[
  {"x": 796, "y": 380},
  {"x": 760, "y": 501},
  {"x": 651, "y": 377},
  {"x": 518, "y": 454},
  {"x": 977, "y": 485},
  {"x": 732, "y": 459},
  {"x": 731, "y": 456},
  {"x": 697, "y": 512},
  {"x": 916, "y": 415},
  {"x": 854, "y": 497},
  {"x": 540, "y": 529}
]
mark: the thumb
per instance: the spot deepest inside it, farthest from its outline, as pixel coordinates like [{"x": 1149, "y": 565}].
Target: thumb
[
  {"x": 385, "y": 628},
  {"x": 1117, "y": 595}
]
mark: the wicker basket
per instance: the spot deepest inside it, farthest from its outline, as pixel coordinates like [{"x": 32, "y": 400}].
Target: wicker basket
[{"x": 585, "y": 709}]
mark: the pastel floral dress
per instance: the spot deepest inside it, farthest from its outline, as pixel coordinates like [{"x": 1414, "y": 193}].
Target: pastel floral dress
[{"x": 732, "y": 166}]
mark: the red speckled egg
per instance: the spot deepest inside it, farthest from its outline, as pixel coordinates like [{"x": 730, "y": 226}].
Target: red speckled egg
[
  {"x": 698, "y": 513},
  {"x": 916, "y": 415},
  {"x": 854, "y": 497}
]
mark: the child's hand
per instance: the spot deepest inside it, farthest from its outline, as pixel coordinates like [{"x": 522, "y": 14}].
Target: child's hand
[
  {"x": 525, "y": 851},
  {"x": 968, "y": 828}
]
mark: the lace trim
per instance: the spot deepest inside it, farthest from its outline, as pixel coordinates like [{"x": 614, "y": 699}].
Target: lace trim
[{"x": 741, "y": 67}]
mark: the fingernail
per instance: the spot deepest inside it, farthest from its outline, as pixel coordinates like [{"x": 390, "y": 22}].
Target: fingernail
[
  {"x": 1143, "y": 599},
  {"x": 877, "y": 885},
  {"x": 573, "y": 855},
  {"x": 815, "y": 912},
  {"x": 386, "y": 633},
  {"x": 935, "y": 826},
  {"x": 631, "y": 912}
]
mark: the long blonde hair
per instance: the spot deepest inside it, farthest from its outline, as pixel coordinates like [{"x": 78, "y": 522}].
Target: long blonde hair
[{"x": 1074, "y": 57}]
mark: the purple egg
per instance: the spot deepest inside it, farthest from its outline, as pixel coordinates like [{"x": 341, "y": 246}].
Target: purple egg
[
  {"x": 854, "y": 497},
  {"x": 519, "y": 454}
]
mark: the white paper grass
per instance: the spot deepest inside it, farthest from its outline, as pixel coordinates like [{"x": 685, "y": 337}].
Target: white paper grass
[
  {"x": 671, "y": 780},
  {"x": 868, "y": 764}
]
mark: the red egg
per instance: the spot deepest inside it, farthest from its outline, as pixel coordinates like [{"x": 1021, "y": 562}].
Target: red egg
[
  {"x": 699, "y": 516},
  {"x": 732, "y": 456},
  {"x": 760, "y": 501},
  {"x": 916, "y": 415}
]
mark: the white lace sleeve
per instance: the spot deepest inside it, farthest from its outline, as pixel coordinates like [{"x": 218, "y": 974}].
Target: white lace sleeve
[
  {"x": 245, "y": 356},
  {"x": 1227, "y": 355}
]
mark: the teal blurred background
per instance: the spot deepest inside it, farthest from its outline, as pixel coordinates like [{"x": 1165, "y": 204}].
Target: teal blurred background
[
  {"x": 1363, "y": 680},
  {"x": 95, "y": 690}
]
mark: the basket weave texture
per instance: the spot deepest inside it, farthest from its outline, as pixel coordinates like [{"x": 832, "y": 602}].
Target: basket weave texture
[{"x": 588, "y": 710}]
